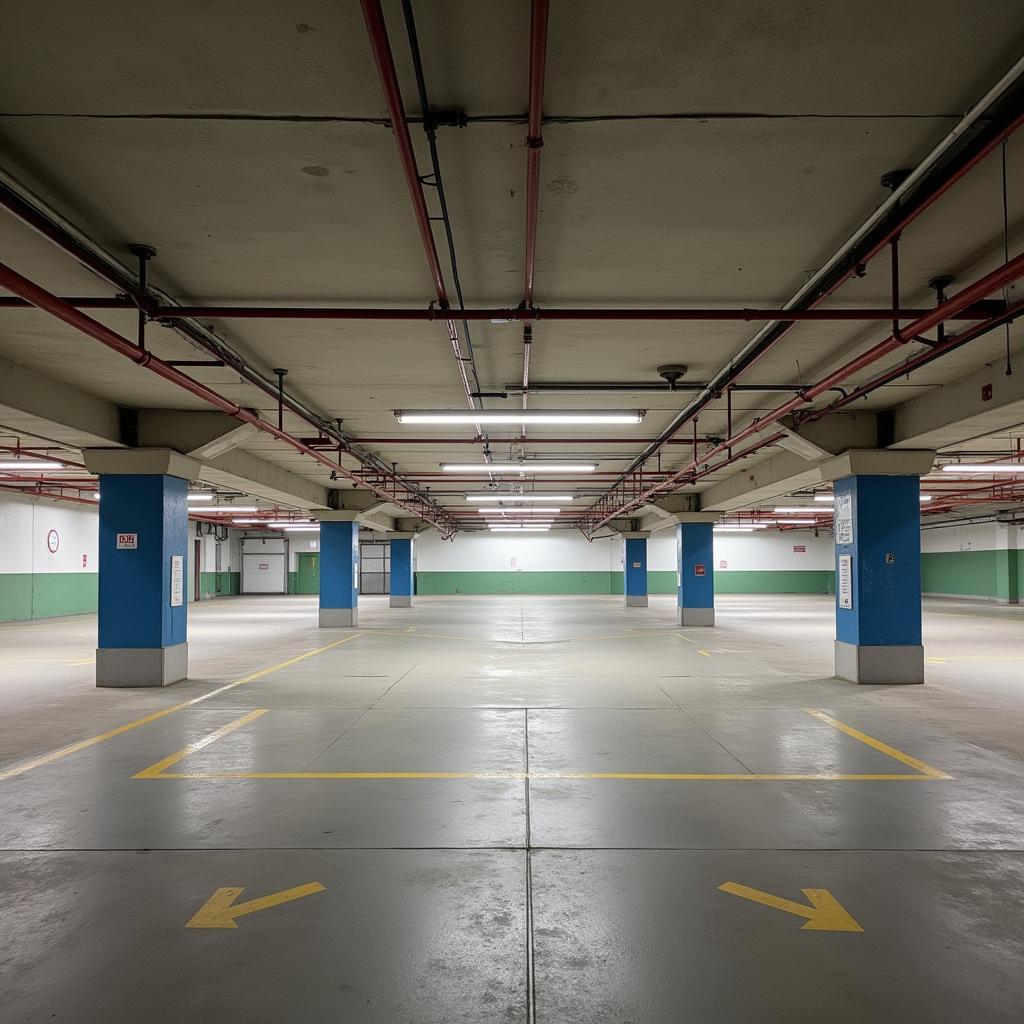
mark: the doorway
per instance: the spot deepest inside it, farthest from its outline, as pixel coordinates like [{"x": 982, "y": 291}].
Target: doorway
[{"x": 307, "y": 579}]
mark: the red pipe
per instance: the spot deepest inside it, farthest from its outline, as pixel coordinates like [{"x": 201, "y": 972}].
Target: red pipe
[
  {"x": 696, "y": 314},
  {"x": 922, "y": 359},
  {"x": 385, "y": 62},
  {"x": 1003, "y": 275},
  {"x": 14, "y": 282},
  {"x": 534, "y": 139}
]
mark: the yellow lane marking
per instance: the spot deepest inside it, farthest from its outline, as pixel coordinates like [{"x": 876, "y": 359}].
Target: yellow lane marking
[
  {"x": 519, "y": 776},
  {"x": 85, "y": 661},
  {"x": 925, "y": 769},
  {"x": 73, "y": 748},
  {"x": 173, "y": 759},
  {"x": 220, "y": 910},
  {"x": 826, "y": 913},
  {"x": 685, "y": 637},
  {"x": 707, "y": 654}
]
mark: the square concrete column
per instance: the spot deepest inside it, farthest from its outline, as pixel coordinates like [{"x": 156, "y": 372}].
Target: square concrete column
[
  {"x": 143, "y": 533},
  {"x": 634, "y": 569},
  {"x": 339, "y": 569},
  {"x": 878, "y": 565},
  {"x": 695, "y": 568},
  {"x": 402, "y": 585}
]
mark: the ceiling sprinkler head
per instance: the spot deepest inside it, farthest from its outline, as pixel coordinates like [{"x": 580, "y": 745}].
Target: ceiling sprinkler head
[{"x": 672, "y": 372}]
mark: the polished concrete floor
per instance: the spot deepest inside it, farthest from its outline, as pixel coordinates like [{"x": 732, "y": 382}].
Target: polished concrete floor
[{"x": 504, "y": 809}]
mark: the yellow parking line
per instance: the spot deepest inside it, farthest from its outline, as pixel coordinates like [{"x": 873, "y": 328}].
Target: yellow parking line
[
  {"x": 707, "y": 654},
  {"x": 73, "y": 748},
  {"x": 155, "y": 769},
  {"x": 533, "y": 776},
  {"x": 926, "y": 770}
]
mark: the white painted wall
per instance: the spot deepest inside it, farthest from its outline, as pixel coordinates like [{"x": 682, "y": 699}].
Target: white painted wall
[
  {"x": 772, "y": 551},
  {"x": 976, "y": 537},
  {"x": 558, "y": 551},
  {"x": 25, "y": 524},
  {"x": 564, "y": 550}
]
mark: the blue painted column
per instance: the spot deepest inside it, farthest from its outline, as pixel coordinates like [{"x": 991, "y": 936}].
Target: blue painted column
[
  {"x": 634, "y": 567},
  {"x": 401, "y": 570},
  {"x": 143, "y": 577},
  {"x": 878, "y": 579},
  {"x": 695, "y": 566},
  {"x": 339, "y": 570}
]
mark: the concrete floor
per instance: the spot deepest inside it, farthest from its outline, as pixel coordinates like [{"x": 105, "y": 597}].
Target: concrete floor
[{"x": 509, "y": 872}]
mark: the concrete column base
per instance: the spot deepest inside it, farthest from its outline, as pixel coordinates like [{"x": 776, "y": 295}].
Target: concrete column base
[
  {"x": 400, "y": 601},
  {"x": 696, "y": 616},
  {"x": 339, "y": 618},
  {"x": 636, "y": 600},
  {"x": 141, "y": 666},
  {"x": 890, "y": 664}
]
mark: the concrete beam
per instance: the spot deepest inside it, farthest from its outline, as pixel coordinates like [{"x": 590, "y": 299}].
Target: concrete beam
[
  {"x": 960, "y": 411},
  {"x": 203, "y": 435},
  {"x": 243, "y": 471},
  {"x": 37, "y": 404},
  {"x": 787, "y": 471}
]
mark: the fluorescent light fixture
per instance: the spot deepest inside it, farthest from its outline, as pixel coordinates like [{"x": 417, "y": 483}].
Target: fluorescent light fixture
[
  {"x": 797, "y": 522},
  {"x": 996, "y": 468},
  {"x": 28, "y": 465},
  {"x": 566, "y": 416},
  {"x": 520, "y": 529},
  {"x": 808, "y": 509},
  {"x": 479, "y": 499},
  {"x": 229, "y": 508},
  {"x": 733, "y": 529},
  {"x": 763, "y": 525},
  {"x": 925, "y": 497},
  {"x": 798, "y": 445},
  {"x": 312, "y": 527},
  {"x": 545, "y": 511},
  {"x": 519, "y": 467},
  {"x": 825, "y": 497},
  {"x": 96, "y": 495},
  {"x": 200, "y": 496},
  {"x": 241, "y": 521}
]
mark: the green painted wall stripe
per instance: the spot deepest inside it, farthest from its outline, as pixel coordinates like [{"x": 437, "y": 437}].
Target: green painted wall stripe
[
  {"x": 966, "y": 573},
  {"x": 43, "y": 595},
  {"x": 658, "y": 582}
]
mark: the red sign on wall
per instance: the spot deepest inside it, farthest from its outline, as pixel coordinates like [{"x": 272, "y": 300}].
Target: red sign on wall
[
  {"x": 699, "y": 570},
  {"x": 800, "y": 549}
]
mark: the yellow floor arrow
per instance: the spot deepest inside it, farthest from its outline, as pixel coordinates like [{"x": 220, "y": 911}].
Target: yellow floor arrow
[
  {"x": 826, "y": 913},
  {"x": 220, "y": 910}
]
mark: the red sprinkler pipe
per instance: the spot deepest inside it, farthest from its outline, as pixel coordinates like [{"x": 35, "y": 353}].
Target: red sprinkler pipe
[
  {"x": 1003, "y": 275},
  {"x": 534, "y": 138},
  {"x": 44, "y": 300}
]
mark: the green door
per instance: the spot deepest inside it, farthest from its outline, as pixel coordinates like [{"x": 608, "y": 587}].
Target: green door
[{"x": 308, "y": 581}]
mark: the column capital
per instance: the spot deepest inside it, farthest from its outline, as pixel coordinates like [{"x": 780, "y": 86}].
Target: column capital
[
  {"x": 696, "y": 517},
  {"x": 141, "y": 462},
  {"x": 337, "y": 515},
  {"x": 878, "y": 462}
]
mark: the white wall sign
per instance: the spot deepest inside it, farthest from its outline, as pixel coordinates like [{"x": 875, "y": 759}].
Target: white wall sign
[
  {"x": 127, "y": 541},
  {"x": 53, "y": 541},
  {"x": 844, "y": 518},
  {"x": 177, "y": 580},
  {"x": 845, "y": 587}
]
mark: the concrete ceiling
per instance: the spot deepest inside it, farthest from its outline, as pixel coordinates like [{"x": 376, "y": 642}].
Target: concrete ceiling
[{"x": 694, "y": 154}]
